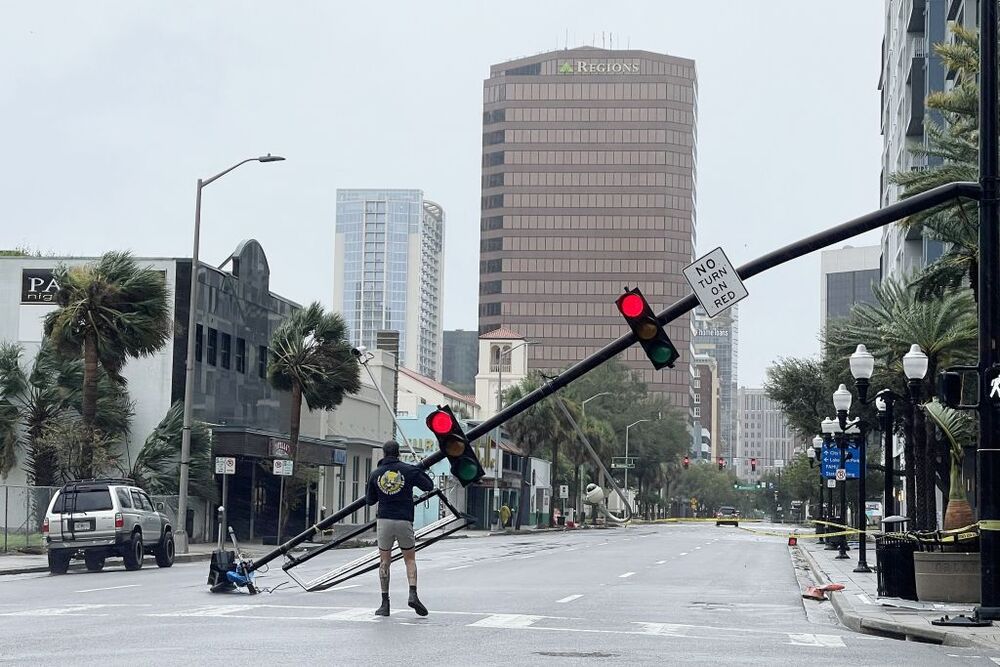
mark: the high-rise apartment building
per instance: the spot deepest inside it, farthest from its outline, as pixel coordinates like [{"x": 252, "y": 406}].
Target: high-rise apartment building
[
  {"x": 764, "y": 434},
  {"x": 588, "y": 184},
  {"x": 911, "y": 70},
  {"x": 848, "y": 277},
  {"x": 707, "y": 396},
  {"x": 718, "y": 337},
  {"x": 388, "y": 271},
  {"x": 461, "y": 360}
]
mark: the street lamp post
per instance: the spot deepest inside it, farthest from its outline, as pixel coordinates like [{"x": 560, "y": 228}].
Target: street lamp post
[
  {"x": 626, "y": 450},
  {"x": 180, "y": 530},
  {"x": 496, "y": 432},
  {"x": 828, "y": 427},
  {"x": 816, "y": 452},
  {"x": 842, "y": 403}
]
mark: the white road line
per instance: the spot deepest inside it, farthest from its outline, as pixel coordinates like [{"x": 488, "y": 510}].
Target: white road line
[
  {"x": 460, "y": 567},
  {"x": 569, "y": 598},
  {"x": 355, "y": 614},
  {"x": 822, "y": 641},
  {"x": 684, "y": 553},
  {"x": 663, "y": 629},
  {"x": 211, "y": 610},
  {"x": 109, "y": 588},
  {"x": 626, "y": 575},
  {"x": 696, "y": 548},
  {"x": 660, "y": 562},
  {"x": 344, "y": 587},
  {"x": 527, "y": 556},
  {"x": 75, "y": 610},
  {"x": 506, "y": 621}
]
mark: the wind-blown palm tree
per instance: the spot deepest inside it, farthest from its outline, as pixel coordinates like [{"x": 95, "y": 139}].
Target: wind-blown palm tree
[
  {"x": 110, "y": 311},
  {"x": 156, "y": 466},
  {"x": 946, "y": 330},
  {"x": 311, "y": 357}
]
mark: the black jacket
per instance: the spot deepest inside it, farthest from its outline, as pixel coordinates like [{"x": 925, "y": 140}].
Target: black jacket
[{"x": 391, "y": 486}]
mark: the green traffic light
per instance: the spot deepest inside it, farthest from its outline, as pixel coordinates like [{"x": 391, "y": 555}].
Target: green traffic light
[
  {"x": 662, "y": 355},
  {"x": 465, "y": 471}
]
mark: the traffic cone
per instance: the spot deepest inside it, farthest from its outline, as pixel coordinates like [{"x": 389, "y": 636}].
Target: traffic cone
[{"x": 792, "y": 541}]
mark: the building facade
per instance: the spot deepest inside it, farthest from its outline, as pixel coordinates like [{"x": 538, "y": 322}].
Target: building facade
[
  {"x": 707, "y": 403},
  {"x": 848, "y": 276},
  {"x": 389, "y": 270},
  {"x": 460, "y": 360},
  {"x": 764, "y": 434},
  {"x": 718, "y": 338},
  {"x": 588, "y": 179}
]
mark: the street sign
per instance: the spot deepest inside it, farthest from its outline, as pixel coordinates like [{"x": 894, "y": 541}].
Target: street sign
[
  {"x": 779, "y": 463},
  {"x": 564, "y": 491},
  {"x": 621, "y": 462},
  {"x": 225, "y": 465},
  {"x": 831, "y": 461},
  {"x": 831, "y": 483},
  {"x": 282, "y": 467},
  {"x": 715, "y": 282},
  {"x": 841, "y": 474}
]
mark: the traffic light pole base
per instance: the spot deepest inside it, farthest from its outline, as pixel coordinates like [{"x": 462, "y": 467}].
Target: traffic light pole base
[{"x": 862, "y": 567}]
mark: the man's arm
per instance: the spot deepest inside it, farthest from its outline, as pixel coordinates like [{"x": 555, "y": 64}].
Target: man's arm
[{"x": 423, "y": 481}]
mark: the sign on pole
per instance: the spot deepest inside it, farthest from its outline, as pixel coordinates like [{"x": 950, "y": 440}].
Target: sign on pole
[
  {"x": 225, "y": 465},
  {"x": 620, "y": 462},
  {"x": 831, "y": 483},
  {"x": 282, "y": 467},
  {"x": 564, "y": 491},
  {"x": 779, "y": 463},
  {"x": 715, "y": 282},
  {"x": 841, "y": 474}
]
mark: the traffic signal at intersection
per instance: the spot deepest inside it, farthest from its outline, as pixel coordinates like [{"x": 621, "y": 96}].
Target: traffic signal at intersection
[
  {"x": 721, "y": 462},
  {"x": 753, "y": 465},
  {"x": 687, "y": 462},
  {"x": 452, "y": 441},
  {"x": 642, "y": 320}
]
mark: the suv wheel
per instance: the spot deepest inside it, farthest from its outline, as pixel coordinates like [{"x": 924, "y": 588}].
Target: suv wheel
[
  {"x": 59, "y": 560},
  {"x": 134, "y": 553},
  {"x": 165, "y": 552},
  {"x": 95, "y": 562}
]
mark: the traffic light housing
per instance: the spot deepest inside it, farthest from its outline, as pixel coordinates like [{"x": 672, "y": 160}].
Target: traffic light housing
[
  {"x": 753, "y": 465},
  {"x": 686, "y": 462},
  {"x": 452, "y": 441},
  {"x": 721, "y": 463},
  {"x": 642, "y": 320}
]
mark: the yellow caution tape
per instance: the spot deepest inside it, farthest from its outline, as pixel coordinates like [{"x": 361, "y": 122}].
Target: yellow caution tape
[{"x": 989, "y": 524}]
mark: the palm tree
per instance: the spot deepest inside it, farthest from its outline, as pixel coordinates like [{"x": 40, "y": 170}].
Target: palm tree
[
  {"x": 31, "y": 401},
  {"x": 959, "y": 428},
  {"x": 311, "y": 357},
  {"x": 109, "y": 311},
  {"x": 946, "y": 330},
  {"x": 955, "y": 143},
  {"x": 156, "y": 466}
]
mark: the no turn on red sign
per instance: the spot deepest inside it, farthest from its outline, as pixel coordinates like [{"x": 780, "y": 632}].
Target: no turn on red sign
[{"x": 715, "y": 282}]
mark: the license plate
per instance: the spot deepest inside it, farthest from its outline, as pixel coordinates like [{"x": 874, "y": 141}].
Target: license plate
[{"x": 81, "y": 525}]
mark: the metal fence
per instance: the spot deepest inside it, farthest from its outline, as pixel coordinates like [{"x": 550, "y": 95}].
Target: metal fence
[{"x": 22, "y": 510}]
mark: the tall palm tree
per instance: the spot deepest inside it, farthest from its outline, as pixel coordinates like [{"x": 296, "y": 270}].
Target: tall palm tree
[
  {"x": 311, "y": 357},
  {"x": 110, "y": 311},
  {"x": 946, "y": 330}
]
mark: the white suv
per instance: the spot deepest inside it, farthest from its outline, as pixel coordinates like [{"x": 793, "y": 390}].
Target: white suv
[{"x": 106, "y": 517}]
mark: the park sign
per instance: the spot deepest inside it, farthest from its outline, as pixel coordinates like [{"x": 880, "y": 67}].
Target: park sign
[
  {"x": 715, "y": 282},
  {"x": 831, "y": 460}
]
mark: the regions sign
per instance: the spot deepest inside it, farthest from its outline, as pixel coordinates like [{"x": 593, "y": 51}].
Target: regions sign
[
  {"x": 715, "y": 282},
  {"x": 597, "y": 67}
]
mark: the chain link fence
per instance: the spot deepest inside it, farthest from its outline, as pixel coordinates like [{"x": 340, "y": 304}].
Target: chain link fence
[{"x": 22, "y": 510}]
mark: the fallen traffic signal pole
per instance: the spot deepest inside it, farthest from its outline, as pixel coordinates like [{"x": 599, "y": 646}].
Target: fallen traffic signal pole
[{"x": 240, "y": 573}]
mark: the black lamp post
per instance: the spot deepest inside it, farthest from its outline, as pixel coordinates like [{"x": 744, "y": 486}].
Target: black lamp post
[
  {"x": 829, "y": 427},
  {"x": 842, "y": 403}
]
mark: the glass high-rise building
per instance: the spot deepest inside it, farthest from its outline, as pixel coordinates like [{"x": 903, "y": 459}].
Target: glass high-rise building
[
  {"x": 718, "y": 337},
  {"x": 588, "y": 185},
  {"x": 388, "y": 271}
]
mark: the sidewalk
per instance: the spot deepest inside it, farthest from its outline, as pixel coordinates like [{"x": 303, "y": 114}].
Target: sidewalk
[
  {"x": 860, "y": 609},
  {"x": 20, "y": 563}
]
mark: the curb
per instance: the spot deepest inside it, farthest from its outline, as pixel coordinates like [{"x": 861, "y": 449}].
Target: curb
[
  {"x": 876, "y": 626},
  {"x": 39, "y": 569}
]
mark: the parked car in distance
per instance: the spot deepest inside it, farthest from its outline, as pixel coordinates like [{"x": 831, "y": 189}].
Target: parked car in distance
[
  {"x": 102, "y": 518},
  {"x": 727, "y": 515}
]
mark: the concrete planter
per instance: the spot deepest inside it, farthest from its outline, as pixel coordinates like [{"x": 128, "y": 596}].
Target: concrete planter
[{"x": 947, "y": 577}]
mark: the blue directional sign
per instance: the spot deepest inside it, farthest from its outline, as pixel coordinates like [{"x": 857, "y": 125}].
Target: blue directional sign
[{"x": 831, "y": 460}]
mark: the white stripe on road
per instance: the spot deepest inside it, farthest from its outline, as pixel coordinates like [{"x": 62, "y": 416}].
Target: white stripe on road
[
  {"x": 109, "y": 588},
  {"x": 506, "y": 621},
  {"x": 696, "y": 548},
  {"x": 660, "y": 562},
  {"x": 568, "y": 598},
  {"x": 663, "y": 629},
  {"x": 60, "y": 611},
  {"x": 822, "y": 641},
  {"x": 460, "y": 567},
  {"x": 213, "y": 610},
  {"x": 344, "y": 587},
  {"x": 626, "y": 575},
  {"x": 355, "y": 614},
  {"x": 684, "y": 553}
]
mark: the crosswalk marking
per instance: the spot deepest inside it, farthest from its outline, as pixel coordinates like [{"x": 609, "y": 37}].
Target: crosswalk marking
[
  {"x": 59, "y": 611},
  {"x": 663, "y": 629},
  {"x": 211, "y": 610},
  {"x": 569, "y": 598},
  {"x": 823, "y": 641},
  {"x": 506, "y": 621},
  {"x": 354, "y": 614}
]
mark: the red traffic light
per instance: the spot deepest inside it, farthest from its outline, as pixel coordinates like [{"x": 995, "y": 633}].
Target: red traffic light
[
  {"x": 441, "y": 423},
  {"x": 687, "y": 462},
  {"x": 632, "y": 305},
  {"x": 753, "y": 465},
  {"x": 721, "y": 463}
]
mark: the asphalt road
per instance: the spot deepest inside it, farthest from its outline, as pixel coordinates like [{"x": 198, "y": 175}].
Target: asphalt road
[{"x": 666, "y": 594}]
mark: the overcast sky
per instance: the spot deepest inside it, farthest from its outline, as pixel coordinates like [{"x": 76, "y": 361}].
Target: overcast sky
[{"x": 112, "y": 110}]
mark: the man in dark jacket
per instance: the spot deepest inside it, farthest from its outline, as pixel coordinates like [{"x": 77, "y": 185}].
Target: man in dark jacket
[{"x": 391, "y": 486}]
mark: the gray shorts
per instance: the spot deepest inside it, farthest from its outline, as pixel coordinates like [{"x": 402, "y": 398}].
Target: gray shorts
[{"x": 389, "y": 530}]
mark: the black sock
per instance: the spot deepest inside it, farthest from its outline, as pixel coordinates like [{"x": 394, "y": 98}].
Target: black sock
[
  {"x": 385, "y": 597},
  {"x": 413, "y": 589}
]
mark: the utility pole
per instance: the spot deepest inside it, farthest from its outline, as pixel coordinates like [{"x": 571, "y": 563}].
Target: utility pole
[{"x": 988, "y": 447}]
